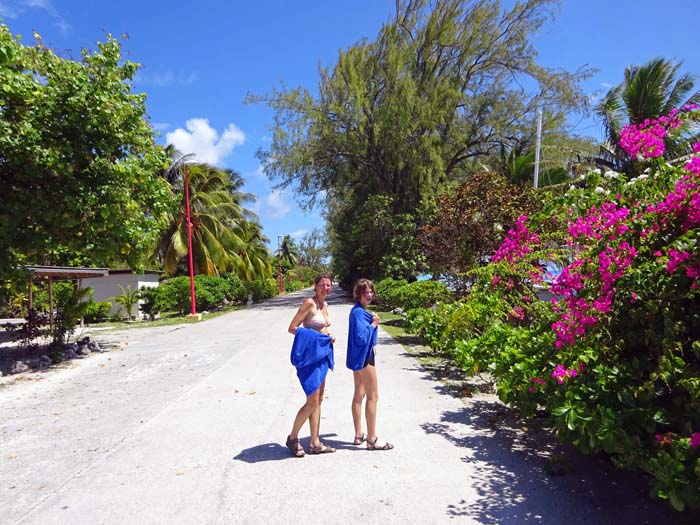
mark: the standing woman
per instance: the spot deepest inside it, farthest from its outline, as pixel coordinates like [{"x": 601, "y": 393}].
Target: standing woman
[
  {"x": 362, "y": 338},
  {"x": 311, "y": 357}
]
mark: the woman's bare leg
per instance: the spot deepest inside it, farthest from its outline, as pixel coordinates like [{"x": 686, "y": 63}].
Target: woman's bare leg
[
  {"x": 305, "y": 412},
  {"x": 368, "y": 377},
  {"x": 357, "y": 399},
  {"x": 315, "y": 417}
]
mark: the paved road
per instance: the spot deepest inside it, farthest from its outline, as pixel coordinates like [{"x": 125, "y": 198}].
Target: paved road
[{"x": 186, "y": 424}]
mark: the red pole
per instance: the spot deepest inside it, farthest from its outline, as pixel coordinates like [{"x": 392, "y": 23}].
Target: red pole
[
  {"x": 189, "y": 238},
  {"x": 279, "y": 263}
]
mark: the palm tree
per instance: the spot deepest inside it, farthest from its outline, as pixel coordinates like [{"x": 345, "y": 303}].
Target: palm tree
[
  {"x": 213, "y": 211},
  {"x": 253, "y": 255},
  {"x": 288, "y": 251},
  {"x": 647, "y": 92}
]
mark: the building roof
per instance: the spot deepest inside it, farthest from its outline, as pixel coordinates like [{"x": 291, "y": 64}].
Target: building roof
[{"x": 67, "y": 272}]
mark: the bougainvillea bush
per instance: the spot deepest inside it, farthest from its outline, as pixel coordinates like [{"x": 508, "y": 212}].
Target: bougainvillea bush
[{"x": 614, "y": 357}]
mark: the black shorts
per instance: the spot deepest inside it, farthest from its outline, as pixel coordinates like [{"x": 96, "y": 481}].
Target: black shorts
[{"x": 370, "y": 358}]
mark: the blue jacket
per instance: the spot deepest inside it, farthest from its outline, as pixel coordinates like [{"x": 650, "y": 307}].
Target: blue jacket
[
  {"x": 362, "y": 336},
  {"x": 312, "y": 355}
]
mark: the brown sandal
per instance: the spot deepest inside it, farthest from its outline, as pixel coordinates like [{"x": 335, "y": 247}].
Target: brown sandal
[
  {"x": 320, "y": 449},
  {"x": 372, "y": 445},
  {"x": 360, "y": 439},
  {"x": 295, "y": 447}
]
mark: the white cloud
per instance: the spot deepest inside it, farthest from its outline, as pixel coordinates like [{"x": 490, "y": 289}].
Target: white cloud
[
  {"x": 160, "y": 126},
  {"x": 16, "y": 8},
  {"x": 164, "y": 78},
  {"x": 275, "y": 206},
  {"x": 204, "y": 141},
  {"x": 606, "y": 85},
  {"x": 298, "y": 234}
]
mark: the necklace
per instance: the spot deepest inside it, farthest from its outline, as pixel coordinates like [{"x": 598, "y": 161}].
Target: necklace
[{"x": 319, "y": 306}]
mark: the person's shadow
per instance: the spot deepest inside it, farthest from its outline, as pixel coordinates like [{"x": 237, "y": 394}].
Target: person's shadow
[{"x": 277, "y": 451}]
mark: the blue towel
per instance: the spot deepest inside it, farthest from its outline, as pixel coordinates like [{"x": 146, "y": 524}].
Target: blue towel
[
  {"x": 312, "y": 355},
  {"x": 362, "y": 337}
]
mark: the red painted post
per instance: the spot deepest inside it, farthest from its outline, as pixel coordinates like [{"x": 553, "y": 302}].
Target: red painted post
[
  {"x": 279, "y": 263},
  {"x": 189, "y": 238}
]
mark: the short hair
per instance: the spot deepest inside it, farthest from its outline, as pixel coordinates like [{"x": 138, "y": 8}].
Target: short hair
[
  {"x": 322, "y": 276},
  {"x": 361, "y": 286}
]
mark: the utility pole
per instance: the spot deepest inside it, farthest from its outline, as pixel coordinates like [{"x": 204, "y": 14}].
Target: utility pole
[{"x": 537, "y": 146}]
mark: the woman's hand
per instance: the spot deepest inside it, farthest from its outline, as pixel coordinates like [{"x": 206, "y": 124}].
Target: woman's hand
[{"x": 375, "y": 320}]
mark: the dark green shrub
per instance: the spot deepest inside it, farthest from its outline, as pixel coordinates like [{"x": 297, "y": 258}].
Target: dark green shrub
[
  {"x": 263, "y": 289},
  {"x": 420, "y": 294},
  {"x": 97, "y": 311},
  {"x": 238, "y": 291},
  {"x": 293, "y": 286},
  {"x": 151, "y": 303},
  {"x": 386, "y": 292}
]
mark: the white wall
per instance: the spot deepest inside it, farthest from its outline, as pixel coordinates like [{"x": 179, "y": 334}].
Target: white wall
[{"x": 106, "y": 288}]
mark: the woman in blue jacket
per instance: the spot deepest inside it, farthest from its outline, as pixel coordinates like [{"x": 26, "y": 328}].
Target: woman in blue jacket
[{"x": 362, "y": 339}]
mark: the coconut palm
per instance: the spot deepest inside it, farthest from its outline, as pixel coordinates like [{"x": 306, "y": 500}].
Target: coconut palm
[
  {"x": 213, "y": 212},
  {"x": 288, "y": 251},
  {"x": 254, "y": 258},
  {"x": 647, "y": 92}
]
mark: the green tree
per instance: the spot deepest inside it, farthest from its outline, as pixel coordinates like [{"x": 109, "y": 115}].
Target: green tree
[
  {"x": 288, "y": 251},
  {"x": 313, "y": 249},
  {"x": 213, "y": 212},
  {"x": 78, "y": 163},
  {"x": 647, "y": 92},
  {"x": 445, "y": 83}
]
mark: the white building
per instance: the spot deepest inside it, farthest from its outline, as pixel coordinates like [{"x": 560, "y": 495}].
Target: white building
[{"x": 107, "y": 288}]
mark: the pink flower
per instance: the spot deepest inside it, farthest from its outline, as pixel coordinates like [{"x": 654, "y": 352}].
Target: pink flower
[
  {"x": 695, "y": 439},
  {"x": 664, "y": 439}
]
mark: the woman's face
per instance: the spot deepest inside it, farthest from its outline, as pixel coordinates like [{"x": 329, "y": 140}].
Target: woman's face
[
  {"x": 323, "y": 287},
  {"x": 366, "y": 297}
]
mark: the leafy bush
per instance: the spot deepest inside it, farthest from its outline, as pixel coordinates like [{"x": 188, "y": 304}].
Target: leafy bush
[
  {"x": 71, "y": 305},
  {"x": 615, "y": 358},
  {"x": 387, "y": 291},
  {"x": 151, "y": 303},
  {"x": 421, "y": 294},
  {"x": 96, "y": 311},
  {"x": 293, "y": 286},
  {"x": 210, "y": 292},
  {"x": 237, "y": 291},
  {"x": 263, "y": 289}
]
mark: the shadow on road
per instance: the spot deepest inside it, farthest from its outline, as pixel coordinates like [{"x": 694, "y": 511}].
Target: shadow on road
[
  {"x": 276, "y": 451},
  {"x": 518, "y": 482}
]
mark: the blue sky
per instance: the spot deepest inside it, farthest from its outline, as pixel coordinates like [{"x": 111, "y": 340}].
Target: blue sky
[{"x": 200, "y": 59}]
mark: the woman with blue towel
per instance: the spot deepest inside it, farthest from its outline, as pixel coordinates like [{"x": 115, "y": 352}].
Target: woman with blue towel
[
  {"x": 312, "y": 355},
  {"x": 362, "y": 339}
]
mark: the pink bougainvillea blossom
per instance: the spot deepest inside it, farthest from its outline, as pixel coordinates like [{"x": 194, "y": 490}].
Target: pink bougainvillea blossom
[
  {"x": 646, "y": 140},
  {"x": 695, "y": 439},
  {"x": 518, "y": 243},
  {"x": 664, "y": 439},
  {"x": 561, "y": 373}
]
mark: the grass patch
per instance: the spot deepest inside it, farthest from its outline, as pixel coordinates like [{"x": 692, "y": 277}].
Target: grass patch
[{"x": 165, "y": 319}]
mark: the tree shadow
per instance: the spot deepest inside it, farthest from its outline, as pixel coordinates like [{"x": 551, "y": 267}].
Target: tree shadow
[{"x": 511, "y": 459}]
